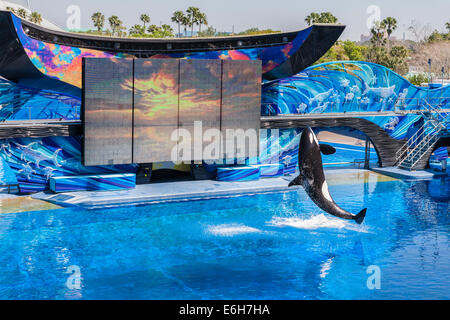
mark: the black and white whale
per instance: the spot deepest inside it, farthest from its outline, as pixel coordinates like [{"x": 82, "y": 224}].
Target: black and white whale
[{"x": 312, "y": 177}]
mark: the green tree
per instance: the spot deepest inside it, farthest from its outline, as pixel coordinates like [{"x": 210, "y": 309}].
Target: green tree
[
  {"x": 116, "y": 25},
  {"x": 202, "y": 20},
  {"x": 11, "y": 9},
  {"x": 186, "y": 22},
  {"x": 377, "y": 54},
  {"x": 378, "y": 32},
  {"x": 99, "y": 20},
  {"x": 165, "y": 31},
  {"x": 22, "y": 13},
  {"x": 145, "y": 19},
  {"x": 447, "y": 25},
  {"x": 390, "y": 25},
  {"x": 137, "y": 31},
  {"x": 436, "y": 36},
  {"x": 353, "y": 51},
  {"x": 397, "y": 60},
  {"x": 209, "y": 32},
  {"x": 253, "y": 31},
  {"x": 312, "y": 18},
  {"x": 178, "y": 18},
  {"x": 36, "y": 17},
  {"x": 327, "y": 17},
  {"x": 192, "y": 13},
  {"x": 418, "y": 79},
  {"x": 323, "y": 17}
]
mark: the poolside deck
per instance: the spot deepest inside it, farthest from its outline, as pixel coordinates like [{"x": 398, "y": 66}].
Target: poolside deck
[
  {"x": 197, "y": 190},
  {"x": 166, "y": 192}
]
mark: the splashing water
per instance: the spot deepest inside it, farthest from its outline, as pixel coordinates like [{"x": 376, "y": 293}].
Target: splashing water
[
  {"x": 314, "y": 222},
  {"x": 229, "y": 230}
]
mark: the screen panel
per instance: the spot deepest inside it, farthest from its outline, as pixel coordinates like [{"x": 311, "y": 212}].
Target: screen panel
[
  {"x": 107, "y": 113},
  {"x": 156, "y": 87},
  {"x": 200, "y": 99},
  {"x": 241, "y": 106}
]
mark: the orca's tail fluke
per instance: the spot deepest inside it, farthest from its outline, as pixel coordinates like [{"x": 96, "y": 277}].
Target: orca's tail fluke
[{"x": 359, "y": 218}]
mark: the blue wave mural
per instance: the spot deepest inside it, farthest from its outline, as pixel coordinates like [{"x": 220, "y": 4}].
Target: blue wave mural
[
  {"x": 352, "y": 86},
  {"x": 347, "y": 86},
  {"x": 35, "y": 161},
  {"x": 21, "y": 103}
]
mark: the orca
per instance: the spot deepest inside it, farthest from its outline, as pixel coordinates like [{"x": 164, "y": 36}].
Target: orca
[{"x": 312, "y": 177}]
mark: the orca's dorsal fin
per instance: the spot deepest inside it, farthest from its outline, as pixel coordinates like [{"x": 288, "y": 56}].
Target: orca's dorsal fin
[
  {"x": 326, "y": 149},
  {"x": 296, "y": 182}
]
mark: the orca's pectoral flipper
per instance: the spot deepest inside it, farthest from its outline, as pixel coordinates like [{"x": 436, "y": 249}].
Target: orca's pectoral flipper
[
  {"x": 296, "y": 182},
  {"x": 326, "y": 149},
  {"x": 359, "y": 218}
]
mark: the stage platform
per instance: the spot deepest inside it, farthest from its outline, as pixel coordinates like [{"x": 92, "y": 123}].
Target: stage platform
[
  {"x": 406, "y": 174},
  {"x": 167, "y": 192},
  {"x": 210, "y": 189}
]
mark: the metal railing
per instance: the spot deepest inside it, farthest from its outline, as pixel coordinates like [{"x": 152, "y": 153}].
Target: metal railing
[{"x": 425, "y": 138}]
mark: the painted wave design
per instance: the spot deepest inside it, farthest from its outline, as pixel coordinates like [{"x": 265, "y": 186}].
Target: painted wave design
[
  {"x": 35, "y": 161},
  {"x": 21, "y": 103}
]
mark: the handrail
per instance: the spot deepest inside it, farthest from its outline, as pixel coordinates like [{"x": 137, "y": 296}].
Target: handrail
[
  {"x": 423, "y": 153},
  {"x": 425, "y": 137}
]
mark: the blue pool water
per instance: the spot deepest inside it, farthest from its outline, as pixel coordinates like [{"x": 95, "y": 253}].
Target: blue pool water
[{"x": 277, "y": 246}]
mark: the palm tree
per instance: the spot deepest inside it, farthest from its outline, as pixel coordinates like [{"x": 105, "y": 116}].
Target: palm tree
[
  {"x": 178, "y": 17},
  {"x": 167, "y": 31},
  {"x": 327, "y": 17},
  {"x": 36, "y": 17},
  {"x": 378, "y": 35},
  {"x": 137, "y": 30},
  {"x": 145, "y": 19},
  {"x": 202, "y": 19},
  {"x": 186, "y": 22},
  {"x": 312, "y": 18},
  {"x": 22, "y": 13},
  {"x": 99, "y": 20},
  {"x": 192, "y": 14},
  {"x": 390, "y": 24},
  {"x": 115, "y": 24}
]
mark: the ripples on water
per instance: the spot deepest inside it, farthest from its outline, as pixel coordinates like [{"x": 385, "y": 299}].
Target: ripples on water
[{"x": 278, "y": 246}]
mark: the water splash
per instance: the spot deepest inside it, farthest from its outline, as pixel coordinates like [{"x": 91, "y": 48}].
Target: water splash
[
  {"x": 315, "y": 222},
  {"x": 230, "y": 230}
]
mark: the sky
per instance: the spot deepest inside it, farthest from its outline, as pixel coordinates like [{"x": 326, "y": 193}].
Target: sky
[{"x": 284, "y": 15}]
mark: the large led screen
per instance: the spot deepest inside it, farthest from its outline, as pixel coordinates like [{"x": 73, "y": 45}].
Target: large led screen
[
  {"x": 200, "y": 97},
  {"x": 241, "y": 107},
  {"x": 157, "y": 110},
  {"x": 156, "y": 92},
  {"x": 108, "y": 111}
]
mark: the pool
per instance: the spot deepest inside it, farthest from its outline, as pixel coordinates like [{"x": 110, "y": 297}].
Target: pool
[{"x": 271, "y": 246}]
